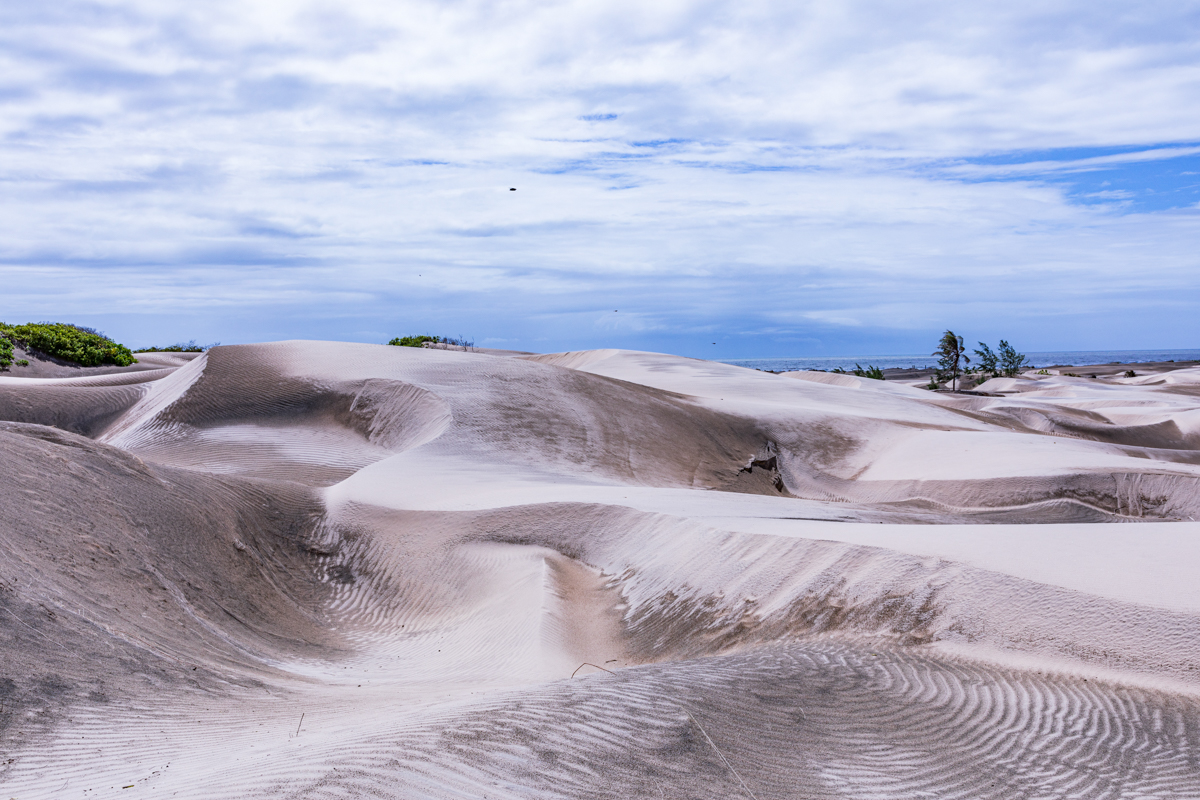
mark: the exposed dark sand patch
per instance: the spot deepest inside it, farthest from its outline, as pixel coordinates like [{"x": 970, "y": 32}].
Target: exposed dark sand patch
[{"x": 119, "y": 577}]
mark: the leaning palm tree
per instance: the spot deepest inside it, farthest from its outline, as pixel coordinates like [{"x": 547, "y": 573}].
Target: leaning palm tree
[{"x": 950, "y": 352}]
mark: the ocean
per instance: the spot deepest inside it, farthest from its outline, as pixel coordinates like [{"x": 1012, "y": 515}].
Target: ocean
[{"x": 1047, "y": 359}]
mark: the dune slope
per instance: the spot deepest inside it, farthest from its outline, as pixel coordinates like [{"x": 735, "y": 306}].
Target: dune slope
[{"x": 311, "y": 569}]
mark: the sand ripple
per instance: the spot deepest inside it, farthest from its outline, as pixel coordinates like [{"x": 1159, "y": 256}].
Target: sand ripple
[{"x": 308, "y": 569}]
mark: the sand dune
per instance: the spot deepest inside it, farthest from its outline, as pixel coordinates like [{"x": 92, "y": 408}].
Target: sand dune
[{"x": 312, "y": 569}]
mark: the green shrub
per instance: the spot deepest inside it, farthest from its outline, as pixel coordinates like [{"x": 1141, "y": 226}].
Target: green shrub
[
  {"x": 419, "y": 341},
  {"x": 1130, "y": 373},
  {"x": 414, "y": 341},
  {"x": 874, "y": 373},
  {"x": 182, "y": 347},
  {"x": 6, "y": 351},
  {"x": 24, "y": 362},
  {"x": 83, "y": 346}
]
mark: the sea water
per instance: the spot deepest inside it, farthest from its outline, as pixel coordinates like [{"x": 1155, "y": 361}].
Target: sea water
[{"x": 1068, "y": 358}]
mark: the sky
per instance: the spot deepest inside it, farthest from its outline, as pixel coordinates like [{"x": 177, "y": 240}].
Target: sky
[{"x": 714, "y": 179}]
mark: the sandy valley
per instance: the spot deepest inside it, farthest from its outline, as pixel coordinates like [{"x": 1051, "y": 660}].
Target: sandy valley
[{"x": 314, "y": 570}]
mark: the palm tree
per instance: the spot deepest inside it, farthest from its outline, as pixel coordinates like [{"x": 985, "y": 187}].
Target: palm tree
[{"x": 950, "y": 352}]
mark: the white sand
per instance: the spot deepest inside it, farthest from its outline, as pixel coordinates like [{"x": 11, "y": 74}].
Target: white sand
[{"x": 806, "y": 585}]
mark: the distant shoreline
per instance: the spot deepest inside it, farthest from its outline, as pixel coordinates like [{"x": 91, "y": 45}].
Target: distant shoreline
[
  {"x": 921, "y": 375},
  {"x": 912, "y": 362}
]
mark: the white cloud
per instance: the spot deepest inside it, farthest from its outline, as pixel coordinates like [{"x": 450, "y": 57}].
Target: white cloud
[
  {"x": 746, "y": 166},
  {"x": 1042, "y": 167}
]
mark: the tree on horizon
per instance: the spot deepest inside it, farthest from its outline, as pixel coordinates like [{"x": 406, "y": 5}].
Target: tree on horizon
[
  {"x": 950, "y": 352},
  {"x": 989, "y": 362},
  {"x": 1011, "y": 362}
]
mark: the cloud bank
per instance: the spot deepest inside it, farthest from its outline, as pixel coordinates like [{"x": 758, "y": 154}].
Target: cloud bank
[{"x": 709, "y": 178}]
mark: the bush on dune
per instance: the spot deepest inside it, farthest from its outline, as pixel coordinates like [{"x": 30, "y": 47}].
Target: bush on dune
[
  {"x": 414, "y": 341},
  {"x": 1006, "y": 361},
  {"x": 75, "y": 343},
  {"x": 420, "y": 341},
  {"x": 872, "y": 372},
  {"x": 182, "y": 347}
]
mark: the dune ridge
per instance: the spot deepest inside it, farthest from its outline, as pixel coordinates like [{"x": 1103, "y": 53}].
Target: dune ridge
[{"x": 313, "y": 569}]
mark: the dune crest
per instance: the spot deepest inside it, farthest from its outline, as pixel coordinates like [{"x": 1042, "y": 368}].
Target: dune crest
[{"x": 313, "y": 569}]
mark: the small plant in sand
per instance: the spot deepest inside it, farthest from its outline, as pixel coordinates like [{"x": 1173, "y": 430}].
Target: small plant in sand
[
  {"x": 872, "y": 372},
  {"x": 1130, "y": 373},
  {"x": 84, "y": 346},
  {"x": 951, "y": 357}
]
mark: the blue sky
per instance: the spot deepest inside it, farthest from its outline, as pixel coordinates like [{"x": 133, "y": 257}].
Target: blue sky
[{"x": 715, "y": 179}]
